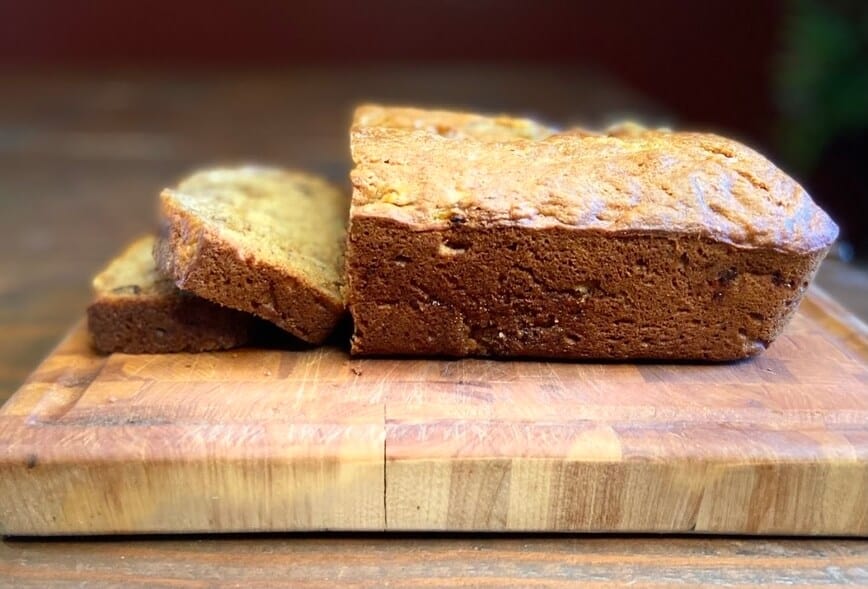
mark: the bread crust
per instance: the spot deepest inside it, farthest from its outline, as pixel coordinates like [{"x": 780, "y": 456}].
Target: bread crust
[
  {"x": 674, "y": 183},
  {"x": 450, "y": 123},
  {"x": 639, "y": 244}
]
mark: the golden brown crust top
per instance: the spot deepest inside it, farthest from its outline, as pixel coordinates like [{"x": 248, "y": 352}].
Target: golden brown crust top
[
  {"x": 133, "y": 274},
  {"x": 642, "y": 181},
  {"x": 450, "y": 124}
]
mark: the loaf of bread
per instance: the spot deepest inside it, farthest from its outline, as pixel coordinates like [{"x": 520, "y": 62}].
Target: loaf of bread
[
  {"x": 630, "y": 244},
  {"x": 266, "y": 241},
  {"x": 138, "y": 311}
]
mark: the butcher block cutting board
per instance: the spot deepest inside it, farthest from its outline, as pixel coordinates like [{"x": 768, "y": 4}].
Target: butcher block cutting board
[{"x": 267, "y": 440}]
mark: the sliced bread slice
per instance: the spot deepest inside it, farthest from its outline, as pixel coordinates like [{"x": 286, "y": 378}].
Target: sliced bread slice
[
  {"x": 138, "y": 311},
  {"x": 262, "y": 240}
]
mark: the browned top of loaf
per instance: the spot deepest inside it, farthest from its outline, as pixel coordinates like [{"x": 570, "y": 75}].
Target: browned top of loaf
[
  {"x": 450, "y": 123},
  {"x": 638, "y": 181},
  {"x": 133, "y": 274}
]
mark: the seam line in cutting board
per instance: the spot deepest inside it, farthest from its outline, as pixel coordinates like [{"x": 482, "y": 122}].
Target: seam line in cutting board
[{"x": 385, "y": 495}]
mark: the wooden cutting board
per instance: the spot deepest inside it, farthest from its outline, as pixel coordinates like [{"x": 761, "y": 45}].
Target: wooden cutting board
[{"x": 262, "y": 440}]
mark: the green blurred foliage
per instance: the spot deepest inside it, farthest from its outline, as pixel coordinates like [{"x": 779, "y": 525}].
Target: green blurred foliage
[{"x": 821, "y": 82}]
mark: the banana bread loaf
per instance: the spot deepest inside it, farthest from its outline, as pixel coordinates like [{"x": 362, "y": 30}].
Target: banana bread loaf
[
  {"x": 138, "y": 311},
  {"x": 635, "y": 244},
  {"x": 266, "y": 241}
]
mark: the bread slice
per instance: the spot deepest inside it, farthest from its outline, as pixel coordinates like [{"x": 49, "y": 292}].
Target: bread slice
[
  {"x": 138, "y": 311},
  {"x": 262, "y": 240},
  {"x": 627, "y": 244}
]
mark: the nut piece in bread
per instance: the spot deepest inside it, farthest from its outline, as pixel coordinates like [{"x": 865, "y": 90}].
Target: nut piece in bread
[
  {"x": 262, "y": 240},
  {"x": 639, "y": 244},
  {"x": 138, "y": 311}
]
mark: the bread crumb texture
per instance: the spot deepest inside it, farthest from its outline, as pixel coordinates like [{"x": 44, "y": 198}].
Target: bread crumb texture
[
  {"x": 137, "y": 310},
  {"x": 133, "y": 273},
  {"x": 282, "y": 217}
]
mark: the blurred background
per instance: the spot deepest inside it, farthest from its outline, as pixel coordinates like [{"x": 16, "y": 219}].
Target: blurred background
[{"x": 103, "y": 102}]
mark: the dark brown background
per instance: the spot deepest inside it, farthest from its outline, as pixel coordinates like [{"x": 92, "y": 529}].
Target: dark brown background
[{"x": 710, "y": 62}]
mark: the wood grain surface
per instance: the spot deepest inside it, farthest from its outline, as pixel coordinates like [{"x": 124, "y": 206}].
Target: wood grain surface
[
  {"x": 82, "y": 155},
  {"x": 311, "y": 439},
  {"x": 400, "y": 560}
]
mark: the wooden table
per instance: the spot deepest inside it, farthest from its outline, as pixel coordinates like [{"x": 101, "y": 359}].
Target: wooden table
[{"x": 81, "y": 158}]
